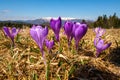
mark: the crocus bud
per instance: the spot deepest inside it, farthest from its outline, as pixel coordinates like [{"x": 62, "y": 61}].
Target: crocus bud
[
  {"x": 55, "y": 24},
  {"x": 68, "y": 26},
  {"x": 49, "y": 44},
  {"x": 79, "y": 30}
]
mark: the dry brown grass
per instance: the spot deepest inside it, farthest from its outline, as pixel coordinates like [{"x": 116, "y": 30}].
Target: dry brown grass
[{"x": 24, "y": 62}]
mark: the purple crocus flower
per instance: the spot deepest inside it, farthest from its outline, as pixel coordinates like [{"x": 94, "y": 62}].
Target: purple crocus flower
[
  {"x": 99, "y": 31},
  {"x": 56, "y": 25},
  {"x": 49, "y": 44},
  {"x": 100, "y": 45},
  {"x": 39, "y": 35},
  {"x": 99, "y": 42},
  {"x": 68, "y": 26},
  {"x": 11, "y": 33},
  {"x": 79, "y": 30}
]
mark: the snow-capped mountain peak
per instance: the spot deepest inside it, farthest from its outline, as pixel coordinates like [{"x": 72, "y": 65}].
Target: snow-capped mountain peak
[{"x": 63, "y": 18}]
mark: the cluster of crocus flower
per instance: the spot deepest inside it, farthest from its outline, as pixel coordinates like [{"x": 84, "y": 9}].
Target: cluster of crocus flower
[
  {"x": 74, "y": 30},
  {"x": 11, "y": 33},
  {"x": 71, "y": 29},
  {"x": 99, "y": 43}
]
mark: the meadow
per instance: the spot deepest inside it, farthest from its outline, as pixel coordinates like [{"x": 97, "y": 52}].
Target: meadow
[{"x": 24, "y": 61}]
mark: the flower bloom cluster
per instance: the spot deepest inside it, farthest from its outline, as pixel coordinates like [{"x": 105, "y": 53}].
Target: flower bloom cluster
[{"x": 73, "y": 30}]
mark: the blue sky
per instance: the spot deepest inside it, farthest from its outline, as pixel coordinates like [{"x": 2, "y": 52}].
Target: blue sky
[{"x": 34, "y": 9}]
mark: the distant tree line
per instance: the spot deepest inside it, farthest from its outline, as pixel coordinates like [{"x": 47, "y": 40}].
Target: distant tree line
[
  {"x": 13, "y": 24},
  {"x": 107, "y": 22}
]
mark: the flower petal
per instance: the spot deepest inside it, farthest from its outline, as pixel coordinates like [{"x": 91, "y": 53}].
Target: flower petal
[
  {"x": 34, "y": 34},
  {"x": 6, "y": 31},
  {"x": 56, "y": 25},
  {"x": 99, "y": 31},
  {"x": 100, "y": 44},
  {"x": 52, "y": 24},
  {"x": 14, "y": 31},
  {"x": 106, "y": 46},
  {"x": 39, "y": 34},
  {"x": 96, "y": 30},
  {"x": 96, "y": 40},
  {"x": 49, "y": 44},
  {"x": 68, "y": 28},
  {"x": 45, "y": 32},
  {"x": 80, "y": 31},
  {"x": 75, "y": 26}
]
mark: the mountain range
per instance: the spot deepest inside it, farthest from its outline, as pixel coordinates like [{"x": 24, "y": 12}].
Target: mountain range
[{"x": 45, "y": 20}]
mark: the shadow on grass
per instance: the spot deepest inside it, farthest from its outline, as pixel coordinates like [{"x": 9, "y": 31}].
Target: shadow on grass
[
  {"x": 84, "y": 52},
  {"x": 88, "y": 72},
  {"x": 114, "y": 56}
]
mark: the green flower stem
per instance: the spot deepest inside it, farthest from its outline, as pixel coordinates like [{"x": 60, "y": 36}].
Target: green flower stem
[{"x": 47, "y": 70}]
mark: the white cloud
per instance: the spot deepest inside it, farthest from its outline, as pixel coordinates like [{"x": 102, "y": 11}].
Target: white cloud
[
  {"x": 8, "y": 17},
  {"x": 4, "y": 11}
]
